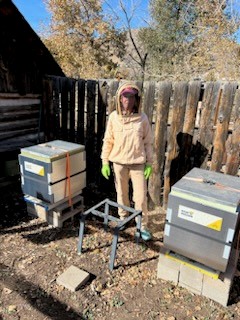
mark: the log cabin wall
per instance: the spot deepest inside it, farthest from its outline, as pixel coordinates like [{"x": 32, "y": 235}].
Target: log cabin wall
[{"x": 24, "y": 62}]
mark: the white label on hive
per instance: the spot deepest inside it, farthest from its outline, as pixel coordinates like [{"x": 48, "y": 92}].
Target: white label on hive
[
  {"x": 34, "y": 168},
  {"x": 204, "y": 219}
]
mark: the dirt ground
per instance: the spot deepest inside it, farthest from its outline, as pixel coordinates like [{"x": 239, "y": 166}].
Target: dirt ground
[{"x": 33, "y": 255}]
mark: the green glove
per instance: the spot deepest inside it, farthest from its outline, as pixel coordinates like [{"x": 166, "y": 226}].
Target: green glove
[
  {"x": 106, "y": 171},
  {"x": 147, "y": 171}
]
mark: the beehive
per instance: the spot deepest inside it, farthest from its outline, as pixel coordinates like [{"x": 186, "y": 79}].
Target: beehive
[
  {"x": 203, "y": 217},
  {"x": 54, "y": 170}
]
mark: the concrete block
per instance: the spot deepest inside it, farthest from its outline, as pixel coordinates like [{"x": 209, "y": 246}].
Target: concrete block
[
  {"x": 73, "y": 278},
  {"x": 196, "y": 277},
  {"x": 64, "y": 212},
  {"x": 216, "y": 290},
  {"x": 219, "y": 290},
  {"x": 55, "y": 214},
  {"x": 36, "y": 210},
  {"x": 191, "y": 279},
  {"x": 167, "y": 268}
]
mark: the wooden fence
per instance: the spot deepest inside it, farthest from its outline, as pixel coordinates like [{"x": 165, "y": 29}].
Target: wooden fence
[{"x": 194, "y": 124}]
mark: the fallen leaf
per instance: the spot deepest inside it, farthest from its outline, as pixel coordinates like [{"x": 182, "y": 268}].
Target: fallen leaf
[
  {"x": 7, "y": 291},
  {"x": 11, "y": 308}
]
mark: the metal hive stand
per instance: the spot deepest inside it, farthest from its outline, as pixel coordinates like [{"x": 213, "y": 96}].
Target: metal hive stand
[{"x": 107, "y": 217}]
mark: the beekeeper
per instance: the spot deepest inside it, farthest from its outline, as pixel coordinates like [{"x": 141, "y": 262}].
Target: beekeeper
[{"x": 128, "y": 144}]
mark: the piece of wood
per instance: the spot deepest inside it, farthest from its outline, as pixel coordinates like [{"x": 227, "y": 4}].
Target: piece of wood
[
  {"x": 149, "y": 99},
  {"x": 90, "y": 130},
  {"x": 212, "y": 91},
  {"x": 178, "y": 111},
  {"x": 164, "y": 90},
  {"x": 223, "y": 120},
  {"x": 233, "y": 154}
]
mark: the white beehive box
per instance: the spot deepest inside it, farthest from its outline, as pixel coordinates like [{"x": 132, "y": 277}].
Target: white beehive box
[
  {"x": 48, "y": 169},
  {"x": 202, "y": 218},
  {"x": 48, "y": 161}
]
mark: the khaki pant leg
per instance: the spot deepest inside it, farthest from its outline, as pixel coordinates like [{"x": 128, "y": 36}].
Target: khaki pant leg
[
  {"x": 121, "y": 173},
  {"x": 139, "y": 184}
]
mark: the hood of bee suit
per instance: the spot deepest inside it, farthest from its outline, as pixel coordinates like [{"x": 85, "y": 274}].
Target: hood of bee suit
[{"x": 123, "y": 87}]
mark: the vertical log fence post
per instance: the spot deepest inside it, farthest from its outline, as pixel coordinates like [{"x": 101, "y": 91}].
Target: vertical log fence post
[{"x": 164, "y": 90}]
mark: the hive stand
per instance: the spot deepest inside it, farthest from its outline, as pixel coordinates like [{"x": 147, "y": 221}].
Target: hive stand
[{"x": 120, "y": 224}]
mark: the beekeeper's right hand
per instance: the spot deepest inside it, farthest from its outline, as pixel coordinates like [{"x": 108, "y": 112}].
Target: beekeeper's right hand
[{"x": 106, "y": 171}]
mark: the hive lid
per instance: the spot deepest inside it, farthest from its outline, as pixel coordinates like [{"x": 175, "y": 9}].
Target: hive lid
[
  {"x": 51, "y": 151},
  {"x": 210, "y": 186}
]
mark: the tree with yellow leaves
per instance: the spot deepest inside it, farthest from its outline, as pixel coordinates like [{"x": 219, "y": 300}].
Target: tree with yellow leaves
[
  {"x": 82, "y": 40},
  {"x": 192, "y": 39}
]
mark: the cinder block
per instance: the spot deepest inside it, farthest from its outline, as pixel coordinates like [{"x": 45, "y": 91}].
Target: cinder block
[
  {"x": 56, "y": 214},
  {"x": 216, "y": 290},
  {"x": 73, "y": 278},
  {"x": 191, "y": 279},
  {"x": 36, "y": 210},
  {"x": 167, "y": 269},
  {"x": 219, "y": 290},
  {"x": 64, "y": 212},
  {"x": 196, "y": 277}
]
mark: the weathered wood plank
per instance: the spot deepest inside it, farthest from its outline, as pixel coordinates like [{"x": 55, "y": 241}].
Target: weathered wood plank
[
  {"x": 191, "y": 107},
  {"x": 13, "y": 109},
  {"x": 29, "y": 123},
  {"x": 149, "y": 99},
  {"x": 64, "y": 89},
  {"x": 90, "y": 130},
  {"x": 223, "y": 119},
  {"x": 212, "y": 92},
  {"x": 80, "y": 116},
  {"x": 164, "y": 90},
  {"x": 113, "y": 86},
  {"x": 101, "y": 123},
  {"x": 233, "y": 155},
  {"x": 14, "y": 104},
  {"x": 19, "y": 96},
  {"x": 178, "y": 108},
  {"x": 55, "y": 107},
  {"x": 101, "y": 115},
  {"x": 16, "y": 143},
  {"x": 16, "y": 133},
  {"x": 190, "y": 153},
  {"x": 72, "y": 106},
  {"x": 18, "y": 115},
  {"x": 46, "y": 124}
]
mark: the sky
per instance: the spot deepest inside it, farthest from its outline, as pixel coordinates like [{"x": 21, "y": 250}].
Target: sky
[{"x": 34, "y": 11}]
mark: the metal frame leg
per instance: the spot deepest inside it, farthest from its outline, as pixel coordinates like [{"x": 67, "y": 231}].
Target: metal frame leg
[
  {"x": 81, "y": 233},
  {"x": 138, "y": 225},
  {"x": 114, "y": 248}
]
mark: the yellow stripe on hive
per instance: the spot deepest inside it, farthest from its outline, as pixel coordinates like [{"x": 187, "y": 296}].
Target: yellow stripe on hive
[
  {"x": 205, "y": 202},
  {"x": 212, "y": 274}
]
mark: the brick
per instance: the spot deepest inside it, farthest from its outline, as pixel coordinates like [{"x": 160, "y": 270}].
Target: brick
[
  {"x": 73, "y": 278},
  {"x": 191, "y": 279},
  {"x": 167, "y": 269}
]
